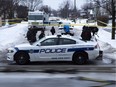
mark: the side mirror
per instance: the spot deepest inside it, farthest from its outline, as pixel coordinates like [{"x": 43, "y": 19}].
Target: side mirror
[{"x": 38, "y": 44}]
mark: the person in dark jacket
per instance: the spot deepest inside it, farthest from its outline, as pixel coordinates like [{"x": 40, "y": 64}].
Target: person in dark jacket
[
  {"x": 94, "y": 30},
  {"x": 42, "y": 34},
  {"x": 31, "y": 35},
  {"x": 86, "y": 33},
  {"x": 52, "y": 30}
]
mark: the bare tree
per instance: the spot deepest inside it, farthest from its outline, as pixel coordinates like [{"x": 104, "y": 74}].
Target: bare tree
[
  {"x": 55, "y": 12},
  {"x": 8, "y": 7},
  {"x": 113, "y": 3},
  {"x": 46, "y": 9},
  {"x": 109, "y": 6},
  {"x": 3, "y": 8},
  {"x": 22, "y": 11},
  {"x": 65, "y": 9},
  {"x": 86, "y": 8},
  {"x": 31, "y": 4}
]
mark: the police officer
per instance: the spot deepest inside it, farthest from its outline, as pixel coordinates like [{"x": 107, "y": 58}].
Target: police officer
[
  {"x": 42, "y": 34},
  {"x": 86, "y": 33},
  {"x": 52, "y": 30},
  {"x": 31, "y": 35},
  {"x": 94, "y": 30}
]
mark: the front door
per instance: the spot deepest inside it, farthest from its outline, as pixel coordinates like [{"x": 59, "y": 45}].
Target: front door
[{"x": 48, "y": 49}]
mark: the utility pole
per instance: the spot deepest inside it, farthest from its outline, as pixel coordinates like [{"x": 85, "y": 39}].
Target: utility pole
[
  {"x": 74, "y": 11},
  {"x": 113, "y": 19},
  {"x": 74, "y": 4}
]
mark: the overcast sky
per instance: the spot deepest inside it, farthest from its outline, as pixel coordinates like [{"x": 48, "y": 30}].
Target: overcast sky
[{"x": 54, "y": 4}]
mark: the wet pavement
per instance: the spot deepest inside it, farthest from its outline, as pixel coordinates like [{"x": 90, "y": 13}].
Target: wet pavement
[{"x": 57, "y": 80}]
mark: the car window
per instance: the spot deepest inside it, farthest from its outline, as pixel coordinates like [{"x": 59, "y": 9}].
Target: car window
[
  {"x": 49, "y": 42},
  {"x": 65, "y": 41}
]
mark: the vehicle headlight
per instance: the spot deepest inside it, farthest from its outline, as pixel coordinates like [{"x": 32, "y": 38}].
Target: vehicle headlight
[{"x": 10, "y": 51}]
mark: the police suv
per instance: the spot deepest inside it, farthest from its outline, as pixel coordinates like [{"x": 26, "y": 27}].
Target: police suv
[{"x": 54, "y": 48}]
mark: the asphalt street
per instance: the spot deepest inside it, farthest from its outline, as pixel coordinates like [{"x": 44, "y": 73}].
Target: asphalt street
[{"x": 57, "y": 80}]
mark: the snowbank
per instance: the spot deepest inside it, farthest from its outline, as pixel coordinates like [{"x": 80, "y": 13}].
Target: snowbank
[
  {"x": 105, "y": 36},
  {"x": 107, "y": 45},
  {"x": 10, "y": 36}
]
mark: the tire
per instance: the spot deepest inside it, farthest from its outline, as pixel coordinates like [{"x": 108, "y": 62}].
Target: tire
[
  {"x": 22, "y": 58},
  {"x": 80, "y": 58}
]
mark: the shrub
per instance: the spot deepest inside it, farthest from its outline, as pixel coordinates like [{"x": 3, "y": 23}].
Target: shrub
[
  {"x": 102, "y": 20},
  {"x": 13, "y": 21}
]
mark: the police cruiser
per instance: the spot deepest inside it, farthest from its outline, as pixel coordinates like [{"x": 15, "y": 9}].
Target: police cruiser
[{"x": 54, "y": 48}]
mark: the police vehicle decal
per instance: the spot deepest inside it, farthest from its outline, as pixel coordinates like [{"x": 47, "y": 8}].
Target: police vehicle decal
[
  {"x": 28, "y": 51},
  {"x": 58, "y": 50},
  {"x": 80, "y": 49}
]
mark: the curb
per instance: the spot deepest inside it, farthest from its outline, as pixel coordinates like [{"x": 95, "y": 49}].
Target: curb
[{"x": 57, "y": 68}]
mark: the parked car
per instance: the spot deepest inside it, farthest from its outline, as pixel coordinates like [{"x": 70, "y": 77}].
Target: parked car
[
  {"x": 66, "y": 28},
  {"x": 62, "y": 31}
]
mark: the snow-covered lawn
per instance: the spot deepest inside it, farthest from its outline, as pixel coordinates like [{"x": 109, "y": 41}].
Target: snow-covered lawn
[{"x": 10, "y": 36}]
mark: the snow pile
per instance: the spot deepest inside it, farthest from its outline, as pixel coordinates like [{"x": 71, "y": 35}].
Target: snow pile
[
  {"x": 107, "y": 45},
  {"x": 11, "y": 36},
  {"x": 105, "y": 36}
]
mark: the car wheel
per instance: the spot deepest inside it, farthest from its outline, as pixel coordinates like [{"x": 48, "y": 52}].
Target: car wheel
[
  {"x": 22, "y": 58},
  {"x": 80, "y": 58}
]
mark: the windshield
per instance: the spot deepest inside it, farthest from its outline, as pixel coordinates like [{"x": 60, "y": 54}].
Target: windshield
[
  {"x": 35, "y": 17},
  {"x": 37, "y": 42}
]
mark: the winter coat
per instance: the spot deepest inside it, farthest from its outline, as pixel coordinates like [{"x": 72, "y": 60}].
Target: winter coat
[
  {"x": 94, "y": 30},
  {"x": 66, "y": 28},
  {"x": 41, "y": 35},
  {"x": 52, "y": 30},
  {"x": 31, "y": 36},
  {"x": 86, "y": 33}
]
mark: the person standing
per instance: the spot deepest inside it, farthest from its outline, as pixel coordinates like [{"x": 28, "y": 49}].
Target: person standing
[
  {"x": 31, "y": 35},
  {"x": 86, "y": 33},
  {"x": 42, "y": 34},
  {"x": 67, "y": 29},
  {"x": 52, "y": 30}
]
